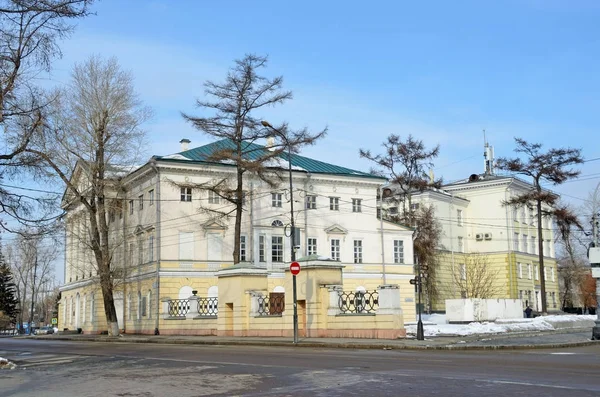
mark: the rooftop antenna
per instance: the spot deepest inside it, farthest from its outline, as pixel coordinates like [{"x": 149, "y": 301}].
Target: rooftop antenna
[{"x": 488, "y": 156}]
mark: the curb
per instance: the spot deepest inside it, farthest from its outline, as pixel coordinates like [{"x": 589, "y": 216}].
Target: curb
[{"x": 324, "y": 345}]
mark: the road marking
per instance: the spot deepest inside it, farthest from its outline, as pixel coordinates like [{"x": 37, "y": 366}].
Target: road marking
[{"x": 563, "y": 354}]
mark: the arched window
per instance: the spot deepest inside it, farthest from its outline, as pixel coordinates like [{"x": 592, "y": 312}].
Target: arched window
[
  {"x": 277, "y": 223},
  {"x": 140, "y": 306},
  {"x": 129, "y": 306},
  {"x": 279, "y": 288},
  {"x": 213, "y": 292},
  {"x": 84, "y": 316},
  {"x": 185, "y": 292}
]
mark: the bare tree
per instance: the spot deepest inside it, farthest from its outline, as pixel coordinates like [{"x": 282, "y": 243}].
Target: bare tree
[
  {"x": 95, "y": 125},
  {"x": 426, "y": 245},
  {"x": 31, "y": 258},
  {"x": 405, "y": 163},
  {"x": 475, "y": 279},
  {"x": 30, "y": 31},
  {"x": 551, "y": 166},
  {"x": 234, "y": 104}
]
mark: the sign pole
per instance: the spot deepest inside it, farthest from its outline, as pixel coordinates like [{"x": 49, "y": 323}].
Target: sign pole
[{"x": 295, "y": 269}]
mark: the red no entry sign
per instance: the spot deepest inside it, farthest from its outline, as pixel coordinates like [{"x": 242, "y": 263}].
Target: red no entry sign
[{"x": 295, "y": 268}]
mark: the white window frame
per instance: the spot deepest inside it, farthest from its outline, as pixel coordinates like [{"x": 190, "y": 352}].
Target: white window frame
[
  {"x": 536, "y": 272},
  {"x": 461, "y": 244},
  {"x": 398, "y": 251},
  {"x": 358, "y": 251},
  {"x": 262, "y": 248},
  {"x": 311, "y": 244},
  {"x": 276, "y": 200},
  {"x": 520, "y": 266},
  {"x": 151, "y": 248},
  {"x": 334, "y": 203},
  {"x": 356, "y": 205},
  {"x": 529, "y": 271},
  {"x": 463, "y": 271},
  {"x": 130, "y": 207},
  {"x": 311, "y": 202},
  {"x": 151, "y": 197},
  {"x": 459, "y": 219},
  {"x": 516, "y": 242},
  {"x": 185, "y": 194},
  {"x": 243, "y": 248},
  {"x": 213, "y": 198},
  {"x": 335, "y": 245},
  {"x": 277, "y": 249},
  {"x": 524, "y": 242},
  {"x": 141, "y": 202}
]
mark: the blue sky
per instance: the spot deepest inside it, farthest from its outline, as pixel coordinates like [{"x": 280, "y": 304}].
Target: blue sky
[{"x": 443, "y": 71}]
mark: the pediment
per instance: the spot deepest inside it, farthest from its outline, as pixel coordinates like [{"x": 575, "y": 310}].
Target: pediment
[
  {"x": 214, "y": 225},
  {"x": 336, "y": 229}
]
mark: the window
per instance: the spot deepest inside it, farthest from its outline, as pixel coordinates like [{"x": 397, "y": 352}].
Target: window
[
  {"x": 186, "y": 246},
  {"x": 276, "y": 199},
  {"x": 213, "y": 198},
  {"x": 334, "y": 203},
  {"x": 140, "y": 252},
  {"x": 186, "y": 194},
  {"x": 463, "y": 271},
  {"x": 130, "y": 207},
  {"x": 552, "y": 273},
  {"x": 243, "y": 248},
  {"x": 261, "y": 248},
  {"x": 461, "y": 247},
  {"x": 311, "y": 202},
  {"x": 398, "y": 251},
  {"x": 129, "y": 303},
  {"x": 516, "y": 242},
  {"x": 536, "y": 272},
  {"x": 525, "y": 243},
  {"x": 130, "y": 263},
  {"x": 459, "y": 220},
  {"x": 92, "y": 309},
  {"x": 277, "y": 248},
  {"x": 277, "y": 223},
  {"x": 140, "y": 307},
  {"x": 514, "y": 213},
  {"x": 553, "y": 295},
  {"x": 533, "y": 245},
  {"x": 140, "y": 202},
  {"x": 547, "y": 248},
  {"x": 520, "y": 266},
  {"x": 151, "y": 197},
  {"x": 312, "y": 246},
  {"x": 545, "y": 273},
  {"x": 523, "y": 217},
  {"x": 356, "y": 205},
  {"x": 414, "y": 207},
  {"x": 111, "y": 216},
  {"x": 358, "y": 254},
  {"x": 529, "y": 270},
  {"x": 521, "y": 295},
  {"x": 151, "y": 248},
  {"x": 531, "y": 218},
  {"x": 149, "y": 300},
  {"x": 335, "y": 249}
]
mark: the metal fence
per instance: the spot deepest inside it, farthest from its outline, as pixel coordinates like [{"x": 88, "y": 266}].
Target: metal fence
[
  {"x": 272, "y": 305},
  {"x": 358, "y": 302},
  {"x": 179, "y": 307},
  {"x": 208, "y": 306}
]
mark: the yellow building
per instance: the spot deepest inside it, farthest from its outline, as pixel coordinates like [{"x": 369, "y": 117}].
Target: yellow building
[{"x": 172, "y": 250}]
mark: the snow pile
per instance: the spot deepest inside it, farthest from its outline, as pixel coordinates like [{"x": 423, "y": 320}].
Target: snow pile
[
  {"x": 435, "y": 325},
  {"x": 5, "y": 364}
]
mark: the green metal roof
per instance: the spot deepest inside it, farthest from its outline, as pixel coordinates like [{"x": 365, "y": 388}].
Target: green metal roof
[{"x": 254, "y": 152}]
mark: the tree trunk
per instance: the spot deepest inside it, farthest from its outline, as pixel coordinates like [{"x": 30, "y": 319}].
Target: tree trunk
[
  {"x": 541, "y": 251},
  {"x": 238, "y": 216}
]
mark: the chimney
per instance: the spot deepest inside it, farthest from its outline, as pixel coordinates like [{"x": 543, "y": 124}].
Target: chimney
[
  {"x": 270, "y": 143},
  {"x": 185, "y": 144}
]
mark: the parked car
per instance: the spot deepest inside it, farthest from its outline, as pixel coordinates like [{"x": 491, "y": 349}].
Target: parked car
[{"x": 43, "y": 331}]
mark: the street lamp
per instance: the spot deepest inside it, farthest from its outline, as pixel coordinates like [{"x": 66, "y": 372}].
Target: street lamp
[{"x": 293, "y": 228}]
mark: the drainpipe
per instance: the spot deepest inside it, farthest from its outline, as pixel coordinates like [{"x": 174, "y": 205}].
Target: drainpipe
[
  {"x": 381, "y": 228},
  {"x": 508, "y": 238},
  {"x": 157, "y": 243},
  {"x": 452, "y": 241}
]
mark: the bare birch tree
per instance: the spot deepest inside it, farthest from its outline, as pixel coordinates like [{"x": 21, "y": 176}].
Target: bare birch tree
[
  {"x": 95, "y": 124},
  {"x": 552, "y": 166},
  {"x": 30, "y": 32},
  {"x": 475, "y": 279},
  {"x": 234, "y": 105}
]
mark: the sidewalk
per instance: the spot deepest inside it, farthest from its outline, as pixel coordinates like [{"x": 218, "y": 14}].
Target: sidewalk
[{"x": 529, "y": 340}]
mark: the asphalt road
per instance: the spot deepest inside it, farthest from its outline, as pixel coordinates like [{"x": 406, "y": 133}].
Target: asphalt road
[{"x": 61, "y": 368}]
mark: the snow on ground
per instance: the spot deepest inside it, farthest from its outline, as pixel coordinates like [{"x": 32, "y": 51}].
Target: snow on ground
[
  {"x": 436, "y": 325},
  {"x": 5, "y": 364}
]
